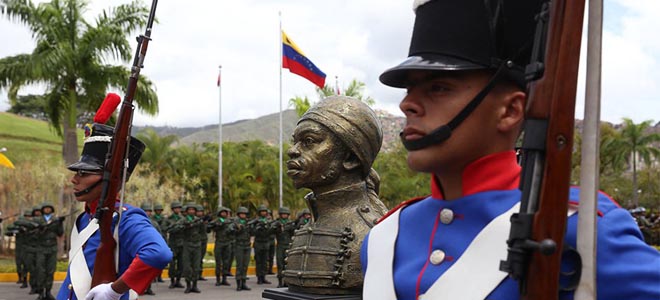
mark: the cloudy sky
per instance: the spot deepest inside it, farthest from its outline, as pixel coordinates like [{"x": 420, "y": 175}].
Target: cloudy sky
[{"x": 344, "y": 38}]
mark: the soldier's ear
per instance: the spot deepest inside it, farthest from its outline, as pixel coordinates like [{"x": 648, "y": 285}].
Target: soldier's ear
[{"x": 351, "y": 161}]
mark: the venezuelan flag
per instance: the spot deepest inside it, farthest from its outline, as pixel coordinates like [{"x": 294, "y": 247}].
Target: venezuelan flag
[{"x": 297, "y": 63}]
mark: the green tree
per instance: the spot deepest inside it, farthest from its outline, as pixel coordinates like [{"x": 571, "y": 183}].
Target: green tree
[
  {"x": 69, "y": 60},
  {"x": 355, "y": 89},
  {"x": 640, "y": 145},
  {"x": 158, "y": 154}
]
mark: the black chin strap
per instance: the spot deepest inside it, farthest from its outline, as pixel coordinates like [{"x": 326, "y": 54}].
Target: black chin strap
[
  {"x": 443, "y": 132},
  {"x": 88, "y": 189}
]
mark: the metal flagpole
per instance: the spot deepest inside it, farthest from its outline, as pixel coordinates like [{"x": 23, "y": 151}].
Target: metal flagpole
[
  {"x": 280, "y": 58},
  {"x": 587, "y": 230},
  {"x": 219, "y": 137}
]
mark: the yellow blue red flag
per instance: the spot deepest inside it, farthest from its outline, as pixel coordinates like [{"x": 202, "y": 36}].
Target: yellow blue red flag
[{"x": 297, "y": 63}]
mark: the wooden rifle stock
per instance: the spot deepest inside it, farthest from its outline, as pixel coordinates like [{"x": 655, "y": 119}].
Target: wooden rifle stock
[
  {"x": 116, "y": 161},
  {"x": 537, "y": 232}
]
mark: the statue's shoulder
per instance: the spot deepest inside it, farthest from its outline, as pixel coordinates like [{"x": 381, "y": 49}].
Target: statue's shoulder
[{"x": 401, "y": 206}]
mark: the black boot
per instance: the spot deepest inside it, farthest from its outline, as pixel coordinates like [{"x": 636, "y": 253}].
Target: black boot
[
  {"x": 41, "y": 293},
  {"x": 48, "y": 295},
  {"x": 177, "y": 283},
  {"x": 25, "y": 283},
  {"x": 187, "y": 291},
  {"x": 239, "y": 285},
  {"x": 33, "y": 291},
  {"x": 259, "y": 280},
  {"x": 280, "y": 283},
  {"x": 171, "y": 283},
  {"x": 264, "y": 281},
  {"x": 194, "y": 288},
  {"x": 20, "y": 278},
  {"x": 217, "y": 280},
  {"x": 244, "y": 286},
  {"x": 224, "y": 281},
  {"x": 149, "y": 291},
  {"x": 160, "y": 278},
  {"x": 201, "y": 277}
]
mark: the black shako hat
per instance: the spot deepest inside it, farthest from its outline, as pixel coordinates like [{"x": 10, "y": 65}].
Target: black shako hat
[
  {"x": 453, "y": 35},
  {"x": 97, "y": 145}
]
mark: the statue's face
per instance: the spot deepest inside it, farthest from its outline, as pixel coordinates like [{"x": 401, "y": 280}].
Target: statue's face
[{"x": 316, "y": 156}]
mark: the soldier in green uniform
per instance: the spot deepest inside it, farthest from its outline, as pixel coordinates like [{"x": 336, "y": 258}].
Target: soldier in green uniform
[
  {"x": 271, "y": 246},
  {"x": 20, "y": 253},
  {"x": 242, "y": 247},
  {"x": 175, "y": 241},
  {"x": 233, "y": 242},
  {"x": 147, "y": 210},
  {"x": 47, "y": 228},
  {"x": 192, "y": 228},
  {"x": 162, "y": 223},
  {"x": 304, "y": 217},
  {"x": 204, "y": 241},
  {"x": 283, "y": 228},
  {"x": 262, "y": 234},
  {"x": 31, "y": 247},
  {"x": 224, "y": 242}
]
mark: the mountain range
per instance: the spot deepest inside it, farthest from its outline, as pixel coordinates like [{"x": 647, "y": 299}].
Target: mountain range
[{"x": 265, "y": 128}]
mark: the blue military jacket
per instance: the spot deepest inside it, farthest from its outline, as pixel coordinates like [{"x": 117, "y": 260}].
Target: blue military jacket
[
  {"x": 141, "y": 248},
  {"x": 627, "y": 268}
]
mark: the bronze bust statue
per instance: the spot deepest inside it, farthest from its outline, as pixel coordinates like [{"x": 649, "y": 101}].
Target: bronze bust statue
[{"x": 334, "y": 145}]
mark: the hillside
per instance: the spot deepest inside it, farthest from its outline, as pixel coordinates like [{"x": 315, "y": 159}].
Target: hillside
[
  {"x": 266, "y": 128},
  {"x": 30, "y": 139}
]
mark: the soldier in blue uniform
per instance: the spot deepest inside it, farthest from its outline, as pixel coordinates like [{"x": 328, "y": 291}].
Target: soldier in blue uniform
[
  {"x": 439, "y": 246},
  {"x": 142, "y": 252}
]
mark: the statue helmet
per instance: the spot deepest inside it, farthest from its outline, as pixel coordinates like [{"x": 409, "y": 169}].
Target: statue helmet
[{"x": 353, "y": 122}]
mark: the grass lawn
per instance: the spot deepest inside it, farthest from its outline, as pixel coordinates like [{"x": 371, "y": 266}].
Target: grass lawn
[{"x": 27, "y": 139}]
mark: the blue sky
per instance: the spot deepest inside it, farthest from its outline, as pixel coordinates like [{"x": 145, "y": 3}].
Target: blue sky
[{"x": 344, "y": 38}]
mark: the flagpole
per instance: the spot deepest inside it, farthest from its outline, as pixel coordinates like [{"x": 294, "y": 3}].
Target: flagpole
[
  {"x": 280, "y": 59},
  {"x": 219, "y": 137}
]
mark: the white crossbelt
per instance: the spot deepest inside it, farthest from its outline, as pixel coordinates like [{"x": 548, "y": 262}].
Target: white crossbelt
[
  {"x": 480, "y": 255},
  {"x": 81, "y": 279}
]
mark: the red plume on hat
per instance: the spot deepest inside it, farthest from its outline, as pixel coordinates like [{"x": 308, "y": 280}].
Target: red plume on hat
[{"x": 108, "y": 107}]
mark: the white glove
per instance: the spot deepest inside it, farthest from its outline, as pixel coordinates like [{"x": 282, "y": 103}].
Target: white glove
[{"x": 103, "y": 292}]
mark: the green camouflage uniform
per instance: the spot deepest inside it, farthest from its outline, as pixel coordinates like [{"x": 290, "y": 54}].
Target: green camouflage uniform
[
  {"x": 20, "y": 251},
  {"x": 262, "y": 238},
  {"x": 175, "y": 241},
  {"x": 224, "y": 242},
  {"x": 203, "y": 243},
  {"x": 192, "y": 228},
  {"x": 241, "y": 248},
  {"x": 284, "y": 229},
  {"x": 32, "y": 246}
]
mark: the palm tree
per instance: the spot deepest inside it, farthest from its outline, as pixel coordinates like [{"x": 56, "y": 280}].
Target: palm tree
[
  {"x": 158, "y": 153},
  {"x": 639, "y": 146},
  {"x": 69, "y": 59}
]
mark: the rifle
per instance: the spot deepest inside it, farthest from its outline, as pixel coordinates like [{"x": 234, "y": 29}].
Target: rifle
[
  {"x": 115, "y": 168},
  {"x": 9, "y": 218},
  {"x": 537, "y": 231}
]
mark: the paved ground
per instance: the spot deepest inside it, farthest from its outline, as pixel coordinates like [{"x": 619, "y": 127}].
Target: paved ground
[{"x": 11, "y": 291}]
